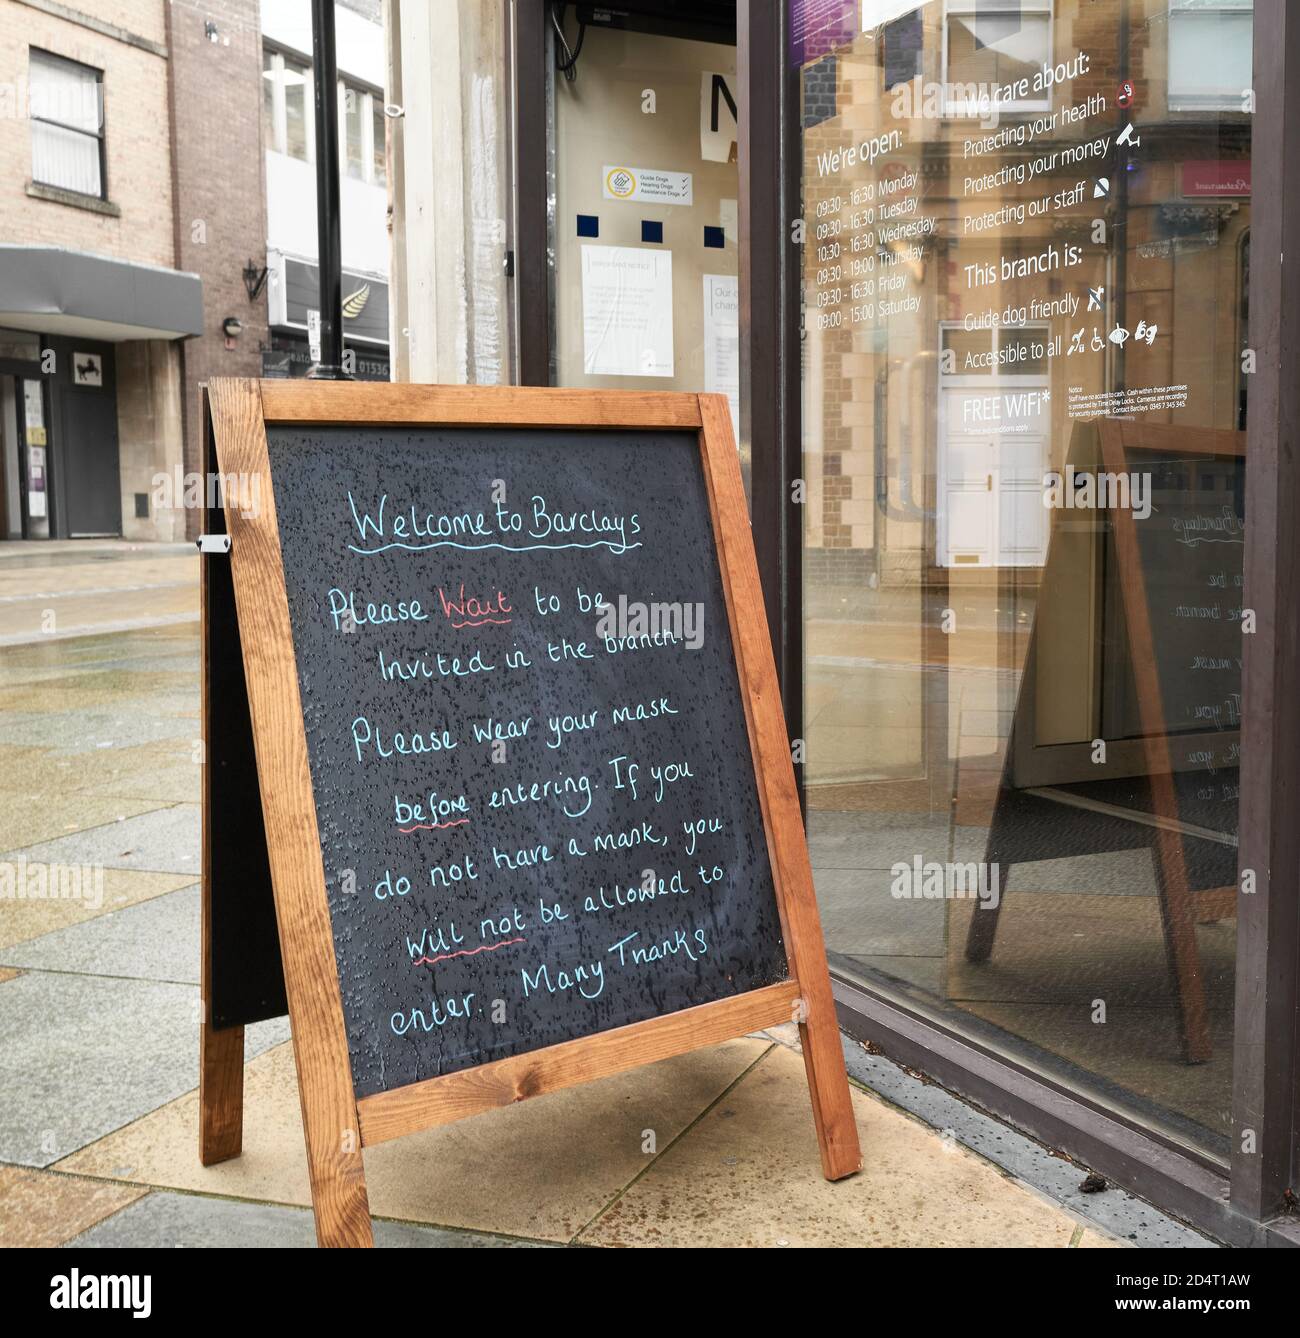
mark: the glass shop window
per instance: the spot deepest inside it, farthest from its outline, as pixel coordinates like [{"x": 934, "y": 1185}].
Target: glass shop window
[
  {"x": 361, "y": 133},
  {"x": 1024, "y": 454},
  {"x": 378, "y": 158}
]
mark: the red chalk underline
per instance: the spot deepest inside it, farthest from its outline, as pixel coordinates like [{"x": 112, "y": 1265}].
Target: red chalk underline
[
  {"x": 466, "y": 952},
  {"x": 496, "y": 622},
  {"x": 431, "y": 826}
]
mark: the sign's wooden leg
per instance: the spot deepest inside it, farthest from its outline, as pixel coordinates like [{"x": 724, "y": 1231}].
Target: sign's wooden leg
[
  {"x": 828, "y": 1086},
  {"x": 828, "y": 1083},
  {"x": 320, "y": 1046},
  {"x": 334, "y": 1162},
  {"x": 221, "y": 1093},
  {"x": 1178, "y": 924}
]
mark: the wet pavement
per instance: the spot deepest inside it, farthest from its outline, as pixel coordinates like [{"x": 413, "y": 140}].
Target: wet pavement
[{"x": 99, "y": 1001}]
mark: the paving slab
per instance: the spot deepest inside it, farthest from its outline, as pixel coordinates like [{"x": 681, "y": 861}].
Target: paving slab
[
  {"x": 541, "y": 1169},
  {"x": 165, "y": 772},
  {"x": 748, "y": 1174},
  {"x": 32, "y": 815},
  {"x": 170, "y": 1221},
  {"x": 150, "y": 647},
  {"x": 30, "y": 917},
  {"x": 166, "y": 840},
  {"x": 1094, "y": 1240},
  {"x": 85, "y": 1055},
  {"x": 154, "y": 940},
  {"x": 29, "y": 769},
  {"x": 124, "y": 691},
  {"x": 39, "y": 1209},
  {"x": 84, "y": 731}
]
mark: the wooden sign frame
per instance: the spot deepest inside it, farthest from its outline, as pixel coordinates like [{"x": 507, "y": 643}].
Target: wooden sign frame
[
  {"x": 1121, "y": 443},
  {"x": 1182, "y": 908},
  {"x": 337, "y": 1124}
]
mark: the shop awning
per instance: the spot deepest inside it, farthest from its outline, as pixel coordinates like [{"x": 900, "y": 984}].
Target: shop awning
[{"x": 55, "y": 291}]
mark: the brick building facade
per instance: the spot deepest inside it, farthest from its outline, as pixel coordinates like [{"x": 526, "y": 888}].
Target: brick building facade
[
  {"x": 217, "y": 181},
  {"x": 92, "y": 303}
]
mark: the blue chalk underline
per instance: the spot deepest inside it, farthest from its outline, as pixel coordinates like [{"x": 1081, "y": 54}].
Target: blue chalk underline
[{"x": 505, "y": 548}]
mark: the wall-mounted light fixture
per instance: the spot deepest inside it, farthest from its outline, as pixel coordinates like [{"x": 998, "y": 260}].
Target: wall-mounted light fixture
[
  {"x": 232, "y": 327},
  {"x": 254, "y": 279}
]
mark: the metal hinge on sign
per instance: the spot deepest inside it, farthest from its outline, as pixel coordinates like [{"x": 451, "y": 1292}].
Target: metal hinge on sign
[{"x": 213, "y": 543}]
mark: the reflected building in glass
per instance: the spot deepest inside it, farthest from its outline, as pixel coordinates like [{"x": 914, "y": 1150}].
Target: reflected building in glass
[{"x": 1024, "y": 366}]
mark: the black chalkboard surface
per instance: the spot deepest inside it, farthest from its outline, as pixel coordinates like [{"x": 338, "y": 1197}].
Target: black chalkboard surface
[
  {"x": 1191, "y": 551},
  {"x": 538, "y": 820}
]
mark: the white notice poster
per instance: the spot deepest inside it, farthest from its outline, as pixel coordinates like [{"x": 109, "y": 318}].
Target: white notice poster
[
  {"x": 627, "y": 311},
  {"x": 33, "y": 413},
  {"x": 722, "y": 341}
]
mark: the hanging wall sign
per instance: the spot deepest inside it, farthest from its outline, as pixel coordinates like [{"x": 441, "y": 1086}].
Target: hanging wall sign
[
  {"x": 87, "y": 369},
  {"x": 647, "y": 184}
]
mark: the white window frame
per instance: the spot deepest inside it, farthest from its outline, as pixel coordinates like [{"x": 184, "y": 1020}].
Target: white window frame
[
  {"x": 368, "y": 100},
  {"x": 1217, "y": 99},
  {"x": 279, "y": 116},
  {"x": 991, "y": 381},
  {"x": 959, "y": 110},
  {"x": 37, "y": 55}
]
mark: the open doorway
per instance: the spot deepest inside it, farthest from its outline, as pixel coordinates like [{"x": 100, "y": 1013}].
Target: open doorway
[
  {"x": 645, "y": 187},
  {"x": 25, "y": 499}
]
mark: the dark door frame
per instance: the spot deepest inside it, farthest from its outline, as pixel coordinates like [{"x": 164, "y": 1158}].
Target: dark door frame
[
  {"x": 531, "y": 291},
  {"x": 770, "y": 265},
  {"x": 1266, "y": 1063}
]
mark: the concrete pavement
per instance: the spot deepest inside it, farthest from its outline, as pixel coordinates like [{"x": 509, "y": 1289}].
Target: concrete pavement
[{"x": 99, "y": 778}]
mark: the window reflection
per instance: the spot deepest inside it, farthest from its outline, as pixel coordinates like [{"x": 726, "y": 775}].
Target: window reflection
[{"x": 1024, "y": 319}]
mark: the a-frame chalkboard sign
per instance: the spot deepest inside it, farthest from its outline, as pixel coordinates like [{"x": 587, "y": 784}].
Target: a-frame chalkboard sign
[
  {"x": 1178, "y": 580},
  {"x": 527, "y": 808}
]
